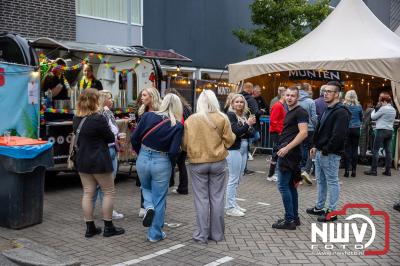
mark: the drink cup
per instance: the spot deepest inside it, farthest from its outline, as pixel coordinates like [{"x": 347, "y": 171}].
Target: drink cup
[{"x": 122, "y": 137}]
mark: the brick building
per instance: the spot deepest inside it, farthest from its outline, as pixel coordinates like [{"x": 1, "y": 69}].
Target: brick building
[{"x": 39, "y": 18}]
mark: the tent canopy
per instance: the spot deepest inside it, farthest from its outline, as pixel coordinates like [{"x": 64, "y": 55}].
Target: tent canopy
[{"x": 350, "y": 39}]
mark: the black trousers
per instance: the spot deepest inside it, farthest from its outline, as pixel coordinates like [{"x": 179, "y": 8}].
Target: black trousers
[
  {"x": 351, "y": 149},
  {"x": 383, "y": 136},
  {"x": 183, "y": 176}
]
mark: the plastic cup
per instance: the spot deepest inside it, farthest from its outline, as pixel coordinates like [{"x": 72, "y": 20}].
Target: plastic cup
[{"x": 122, "y": 137}]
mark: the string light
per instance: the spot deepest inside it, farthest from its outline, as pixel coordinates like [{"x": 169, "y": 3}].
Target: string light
[
  {"x": 347, "y": 76},
  {"x": 178, "y": 68},
  {"x": 139, "y": 61},
  {"x": 35, "y": 74},
  {"x": 372, "y": 77}
]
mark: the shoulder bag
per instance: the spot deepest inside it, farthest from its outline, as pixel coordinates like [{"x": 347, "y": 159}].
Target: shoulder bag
[{"x": 73, "y": 148}]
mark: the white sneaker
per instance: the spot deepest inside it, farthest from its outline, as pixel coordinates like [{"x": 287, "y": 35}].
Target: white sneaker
[
  {"x": 275, "y": 178},
  {"x": 174, "y": 190},
  {"x": 250, "y": 157},
  {"x": 117, "y": 215},
  {"x": 234, "y": 212},
  {"x": 142, "y": 212},
  {"x": 241, "y": 209},
  {"x": 270, "y": 178}
]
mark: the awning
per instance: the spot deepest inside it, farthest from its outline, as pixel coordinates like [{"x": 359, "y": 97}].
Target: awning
[{"x": 133, "y": 51}]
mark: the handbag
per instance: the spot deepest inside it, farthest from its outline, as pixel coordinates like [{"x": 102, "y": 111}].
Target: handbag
[
  {"x": 154, "y": 128},
  {"x": 73, "y": 148}
]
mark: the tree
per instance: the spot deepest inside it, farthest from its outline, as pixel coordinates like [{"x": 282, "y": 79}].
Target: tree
[{"x": 280, "y": 23}]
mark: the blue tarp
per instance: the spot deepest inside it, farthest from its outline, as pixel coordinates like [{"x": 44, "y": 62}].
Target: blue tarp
[{"x": 24, "y": 152}]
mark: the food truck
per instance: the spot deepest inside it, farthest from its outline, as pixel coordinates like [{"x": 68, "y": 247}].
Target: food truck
[{"x": 124, "y": 71}]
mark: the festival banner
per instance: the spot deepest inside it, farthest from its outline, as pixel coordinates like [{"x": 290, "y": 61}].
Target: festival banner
[{"x": 19, "y": 100}]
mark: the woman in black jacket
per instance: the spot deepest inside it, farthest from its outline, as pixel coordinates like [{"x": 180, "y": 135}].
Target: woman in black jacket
[
  {"x": 93, "y": 161},
  {"x": 180, "y": 161},
  {"x": 237, "y": 157}
]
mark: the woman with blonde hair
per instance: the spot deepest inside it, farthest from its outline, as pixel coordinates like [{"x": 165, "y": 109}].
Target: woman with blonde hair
[
  {"x": 157, "y": 140},
  {"x": 207, "y": 137},
  {"x": 105, "y": 103},
  {"x": 237, "y": 158},
  {"x": 353, "y": 135},
  {"x": 93, "y": 161},
  {"x": 150, "y": 101}
]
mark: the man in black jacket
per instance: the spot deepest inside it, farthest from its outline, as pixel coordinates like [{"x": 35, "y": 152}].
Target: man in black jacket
[{"x": 329, "y": 140}]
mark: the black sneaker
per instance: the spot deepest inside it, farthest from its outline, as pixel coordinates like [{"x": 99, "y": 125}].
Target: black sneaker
[
  {"x": 297, "y": 221},
  {"x": 315, "y": 211},
  {"x": 323, "y": 218},
  {"x": 249, "y": 172},
  {"x": 370, "y": 172},
  {"x": 387, "y": 173},
  {"x": 397, "y": 206},
  {"x": 282, "y": 224},
  {"x": 148, "y": 217}
]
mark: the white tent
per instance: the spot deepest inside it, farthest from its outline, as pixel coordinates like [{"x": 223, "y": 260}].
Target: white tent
[{"x": 350, "y": 39}]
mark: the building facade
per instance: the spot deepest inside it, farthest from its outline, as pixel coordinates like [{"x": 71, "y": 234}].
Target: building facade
[
  {"x": 198, "y": 29},
  {"x": 117, "y": 22},
  {"x": 39, "y": 18}
]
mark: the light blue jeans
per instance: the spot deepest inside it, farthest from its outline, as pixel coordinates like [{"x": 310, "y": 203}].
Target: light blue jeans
[
  {"x": 154, "y": 171},
  {"x": 98, "y": 193},
  {"x": 236, "y": 163},
  {"x": 327, "y": 174}
]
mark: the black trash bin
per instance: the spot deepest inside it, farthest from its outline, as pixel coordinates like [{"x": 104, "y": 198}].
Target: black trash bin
[{"x": 22, "y": 189}]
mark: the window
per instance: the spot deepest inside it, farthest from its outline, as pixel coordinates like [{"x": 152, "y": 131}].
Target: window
[
  {"x": 107, "y": 9},
  {"x": 136, "y": 12}
]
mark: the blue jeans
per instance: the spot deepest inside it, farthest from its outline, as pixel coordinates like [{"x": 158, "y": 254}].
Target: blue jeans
[
  {"x": 289, "y": 194},
  {"x": 255, "y": 138},
  {"x": 236, "y": 164},
  {"x": 154, "y": 170},
  {"x": 306, "y": 162},
  {"x": 98, "y": 193},
  {"x": 327, "y": 174}
]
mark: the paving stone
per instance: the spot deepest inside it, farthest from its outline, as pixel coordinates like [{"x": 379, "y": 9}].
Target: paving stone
[
  {"x": 250, "y": 240},
  {"x": 27, "y": 252}
]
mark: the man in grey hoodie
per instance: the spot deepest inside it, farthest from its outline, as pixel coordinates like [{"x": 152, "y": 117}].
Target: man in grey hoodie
[{"x": 306, "y": 101}]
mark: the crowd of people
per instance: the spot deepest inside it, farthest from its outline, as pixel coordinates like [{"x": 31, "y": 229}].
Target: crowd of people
[{"x": 305, "y": 135}]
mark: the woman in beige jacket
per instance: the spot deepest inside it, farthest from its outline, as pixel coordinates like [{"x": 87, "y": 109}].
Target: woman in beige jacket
[{"x": 207, "y": 137}]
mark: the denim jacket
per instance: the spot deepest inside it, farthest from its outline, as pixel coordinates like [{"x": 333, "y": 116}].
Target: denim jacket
[{"x": 356, "y": 115}]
